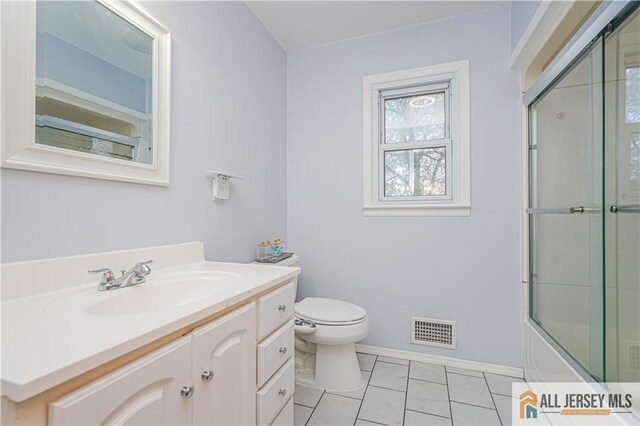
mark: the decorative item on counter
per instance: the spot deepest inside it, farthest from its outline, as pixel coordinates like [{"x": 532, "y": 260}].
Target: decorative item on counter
[
  {"x": 277, "y": 248},
  {"x": 263, "y": 251},
  {"x": 271, "y": 251}
]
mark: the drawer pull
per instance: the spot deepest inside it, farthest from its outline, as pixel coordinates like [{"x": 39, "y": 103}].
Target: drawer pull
[
  {"x": 282, "y": 308},
  {"x": 282, "y": 392},
  {"x": 283, "y": 350},
  {"x": 186, "y": 392},
  {"x": 207, "y": 376}
]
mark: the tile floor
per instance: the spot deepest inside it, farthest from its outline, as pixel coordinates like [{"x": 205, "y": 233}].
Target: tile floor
[{"x": 402, "y": 392}]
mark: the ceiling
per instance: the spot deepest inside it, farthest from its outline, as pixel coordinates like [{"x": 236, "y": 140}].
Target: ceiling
[{"x": 302, "y": 24}]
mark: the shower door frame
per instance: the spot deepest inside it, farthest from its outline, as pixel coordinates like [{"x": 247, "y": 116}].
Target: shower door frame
[{"x": 543, "y": 358}]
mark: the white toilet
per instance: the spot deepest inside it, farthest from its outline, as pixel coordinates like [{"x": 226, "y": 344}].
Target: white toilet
[
  {"x": 326, "y": 331},
  {"x": 326, "y": 355}
]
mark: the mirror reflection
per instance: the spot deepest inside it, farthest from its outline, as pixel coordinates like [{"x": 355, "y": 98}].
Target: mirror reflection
[{"x": 93, "y": 81}]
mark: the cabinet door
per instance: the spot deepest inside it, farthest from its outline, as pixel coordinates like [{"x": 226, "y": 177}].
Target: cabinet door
[
  {"x": 147, "y": 391},
  {"x": 224, "y": 373}
]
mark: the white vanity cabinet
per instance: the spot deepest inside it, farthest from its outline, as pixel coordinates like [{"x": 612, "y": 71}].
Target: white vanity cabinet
[
  {"x": 146, "y": 391},
  {"x": 198, "y": 343},
  {"x": 220, "y": 373},
  {"x": 207, "y": 378},
  {"x": 224, "y": 359},
  {"x": 275, "y": 380}
]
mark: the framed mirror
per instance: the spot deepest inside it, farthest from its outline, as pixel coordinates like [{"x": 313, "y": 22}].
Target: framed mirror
[{"x": 85, "y": 90}]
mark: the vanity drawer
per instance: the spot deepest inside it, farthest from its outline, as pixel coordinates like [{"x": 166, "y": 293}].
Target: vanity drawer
[
  {"x": 275, "y": 394},
  {"x": 274, "y": 351},
  {"x": 275, "y": 308},
  {"x": 285, "y": 418}
]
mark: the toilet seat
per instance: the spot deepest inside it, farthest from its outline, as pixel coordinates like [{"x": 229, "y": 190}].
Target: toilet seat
[
  {"x": 330, "y": 312},
  {"x": 332, "y": 334},
  {"x": 332, "y": 324}
]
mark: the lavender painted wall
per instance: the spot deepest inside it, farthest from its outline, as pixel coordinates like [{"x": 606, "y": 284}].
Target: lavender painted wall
[
  {"x": 460, "y": 268},
  {"x": 521, "y": 13},
  {"x": 228, "y": 113}
]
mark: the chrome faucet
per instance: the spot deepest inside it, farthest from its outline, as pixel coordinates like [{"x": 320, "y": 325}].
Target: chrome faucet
[{"x": 133, "y": 276}]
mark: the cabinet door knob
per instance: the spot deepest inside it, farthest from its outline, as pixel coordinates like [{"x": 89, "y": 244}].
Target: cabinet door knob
[
  {"x": 186, "y": 392},
  {"x": 207, "y": 376},
  {"x": 282, "y": 308},
  {"x": 283, "y": 350},
  {"x": 282, "y": 392}
]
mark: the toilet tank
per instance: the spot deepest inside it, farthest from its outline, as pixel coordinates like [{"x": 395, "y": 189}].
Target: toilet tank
[{"x": 293, "y": 261}]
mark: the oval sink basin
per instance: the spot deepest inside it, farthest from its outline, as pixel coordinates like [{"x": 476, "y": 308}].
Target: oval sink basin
[
  {"x": 164, "y": 291},
  {"x": 159, "y": 292}
]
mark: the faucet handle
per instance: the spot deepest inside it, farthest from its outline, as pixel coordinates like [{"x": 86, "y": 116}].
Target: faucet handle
[
  {"x": 107, "y": 271},
  {"x": 108, "y": 278},
  {"x": 143, "y": 267}
]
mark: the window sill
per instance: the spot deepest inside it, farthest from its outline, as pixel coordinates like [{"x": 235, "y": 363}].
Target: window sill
[{"x": 418, "y": 210}]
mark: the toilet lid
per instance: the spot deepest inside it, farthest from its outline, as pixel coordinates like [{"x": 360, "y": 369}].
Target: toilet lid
[{"x": 329, "y": 310}]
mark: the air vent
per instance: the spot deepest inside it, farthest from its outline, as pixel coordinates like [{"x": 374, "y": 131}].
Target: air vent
[
  {"x": 433, "y": 332},
  {"x": 631, "y": 359}
]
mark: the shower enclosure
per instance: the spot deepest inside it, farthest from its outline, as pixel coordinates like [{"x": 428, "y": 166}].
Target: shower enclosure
[{"x": 584, "y": 206}]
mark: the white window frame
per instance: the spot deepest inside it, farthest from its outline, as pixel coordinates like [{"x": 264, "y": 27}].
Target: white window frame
[{"x": 457, "y": 201}]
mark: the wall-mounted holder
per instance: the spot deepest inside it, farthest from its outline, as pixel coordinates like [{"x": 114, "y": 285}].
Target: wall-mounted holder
[{"x": 220, "y": 184}]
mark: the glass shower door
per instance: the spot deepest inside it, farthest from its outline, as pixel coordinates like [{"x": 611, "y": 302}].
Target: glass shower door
[
  {"x": 565, "y": 215},
  {"x": 584, "y": 215},
  {"x": 622, "y": 188}
]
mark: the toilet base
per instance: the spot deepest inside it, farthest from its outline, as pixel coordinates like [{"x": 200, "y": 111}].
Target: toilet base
[{"x": 336, "y": 368}]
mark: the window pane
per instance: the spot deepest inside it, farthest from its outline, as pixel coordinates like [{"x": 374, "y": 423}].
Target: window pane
[
  {"x": 415, "y": 172},
  {"x": 414, "y": 118},
  {"x": 396, "y": 173}
]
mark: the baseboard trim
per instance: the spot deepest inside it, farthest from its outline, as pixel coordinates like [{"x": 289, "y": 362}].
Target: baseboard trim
[{"x": 442, "y": 360}]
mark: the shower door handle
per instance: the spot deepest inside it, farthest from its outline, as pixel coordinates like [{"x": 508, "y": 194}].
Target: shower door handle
[
  {"x": 630, "y": 208},
  {"x": 562, "y": 210}
]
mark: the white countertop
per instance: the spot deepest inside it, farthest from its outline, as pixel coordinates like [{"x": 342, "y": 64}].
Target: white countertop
[{"x": 49, "y": 338}]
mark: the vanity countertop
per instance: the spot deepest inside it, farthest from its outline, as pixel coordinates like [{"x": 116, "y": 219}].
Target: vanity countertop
[{"x": 53, "y": 336}]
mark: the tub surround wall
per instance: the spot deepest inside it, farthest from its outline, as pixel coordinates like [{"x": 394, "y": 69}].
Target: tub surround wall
[
  {"x": 223, "y": 117},
  {"x": 458, "y": 268}
]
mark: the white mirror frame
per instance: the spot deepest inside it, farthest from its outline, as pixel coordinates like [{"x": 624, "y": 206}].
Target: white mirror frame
[{"x": 18, "y": 92}]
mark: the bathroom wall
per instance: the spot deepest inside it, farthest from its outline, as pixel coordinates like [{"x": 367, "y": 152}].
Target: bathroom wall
[
  {"x": 228, "y": 109},
  {"x": 522, "y": 12},
  {"x": 458, "y": 268}
]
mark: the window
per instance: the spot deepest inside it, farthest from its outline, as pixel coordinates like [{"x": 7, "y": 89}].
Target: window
[{"x": 416, "y": 142}]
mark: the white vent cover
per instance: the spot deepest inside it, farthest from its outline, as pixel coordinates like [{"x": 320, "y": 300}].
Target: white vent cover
[
  {"x": 433, "y": 332},
  {"x": 631, "y": 359}
]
